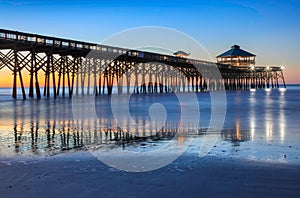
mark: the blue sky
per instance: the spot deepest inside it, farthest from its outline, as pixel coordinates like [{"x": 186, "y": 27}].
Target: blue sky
[{"x": 270, "y": 29}]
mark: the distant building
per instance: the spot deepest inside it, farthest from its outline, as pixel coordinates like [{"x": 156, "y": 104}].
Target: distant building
[
  {"x": 237, "y": 57},
  {"x": 181, "y": 54}
]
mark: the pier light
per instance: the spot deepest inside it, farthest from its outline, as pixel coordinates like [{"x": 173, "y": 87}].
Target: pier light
[
  {"x": 135, "y": 53},
  {"x": 268, "y": 68},
  {"x": 282, "y": 90},
  {"x": 252, "y": 67},
  {"x": 282, "y": 67}
]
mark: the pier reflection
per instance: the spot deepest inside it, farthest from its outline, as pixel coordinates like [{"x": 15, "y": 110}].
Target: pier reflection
[
  {"x": 282, "y": 117},
  {"x": 236, "y": 135},
  {"x": 275, "y": 116},
  {"x": 252, "y": 114},
  {"x": 48, "y": 127},
  {"x": 63, "y": 135},
  {"x": 267, "y": 115}
]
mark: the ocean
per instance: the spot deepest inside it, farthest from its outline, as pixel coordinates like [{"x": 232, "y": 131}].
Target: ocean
[{"x": 258, "y": 124}]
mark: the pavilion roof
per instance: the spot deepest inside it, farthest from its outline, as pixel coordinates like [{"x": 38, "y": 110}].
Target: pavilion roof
[
  {"x": 236, "y": 51},
  {"x": 181, "y": 53}
]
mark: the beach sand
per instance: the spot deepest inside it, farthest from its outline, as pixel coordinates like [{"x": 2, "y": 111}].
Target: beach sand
[{"x": 80, "y": 174}]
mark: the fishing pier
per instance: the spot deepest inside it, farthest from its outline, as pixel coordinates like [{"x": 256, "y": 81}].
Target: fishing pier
[{"x": 62, "y": 67}]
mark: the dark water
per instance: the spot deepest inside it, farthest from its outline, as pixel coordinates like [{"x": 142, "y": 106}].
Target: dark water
[{"x": 261, "y": 124}]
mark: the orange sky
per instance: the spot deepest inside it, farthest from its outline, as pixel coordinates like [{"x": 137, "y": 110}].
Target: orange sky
[
  {"x": 292, "y": 75},
  {"x": 5, "y": 78}
]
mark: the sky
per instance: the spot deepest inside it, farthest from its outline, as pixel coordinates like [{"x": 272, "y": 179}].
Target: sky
[{"x": 268, "y": 28}]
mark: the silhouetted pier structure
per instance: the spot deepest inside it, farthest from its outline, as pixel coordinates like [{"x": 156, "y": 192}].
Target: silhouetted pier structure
[{"x": 74, "y": 67}]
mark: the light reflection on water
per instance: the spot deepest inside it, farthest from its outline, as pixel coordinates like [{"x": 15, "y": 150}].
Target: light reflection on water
[
  {"x": 267, "y": 122},
  {"x": 267, "y": 109},
  {"x": 269, "y": 116},
  {"x": 47, "y": 126},
  {"x": 252, "y": 116},
  {"x": 282, "y": 118}
]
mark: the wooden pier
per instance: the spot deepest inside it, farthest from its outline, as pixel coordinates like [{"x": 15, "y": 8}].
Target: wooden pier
[{"x": 73, "y": 67}]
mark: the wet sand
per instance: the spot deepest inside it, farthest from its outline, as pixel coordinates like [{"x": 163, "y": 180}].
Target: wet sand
[{"x": 80, "y": 174}]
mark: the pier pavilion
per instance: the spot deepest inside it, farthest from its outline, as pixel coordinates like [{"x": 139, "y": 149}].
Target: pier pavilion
[
  {"x": 181, "y": 54},
  {"x": 237, "y": 57},
  {"x": 242, "y": 73}
]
